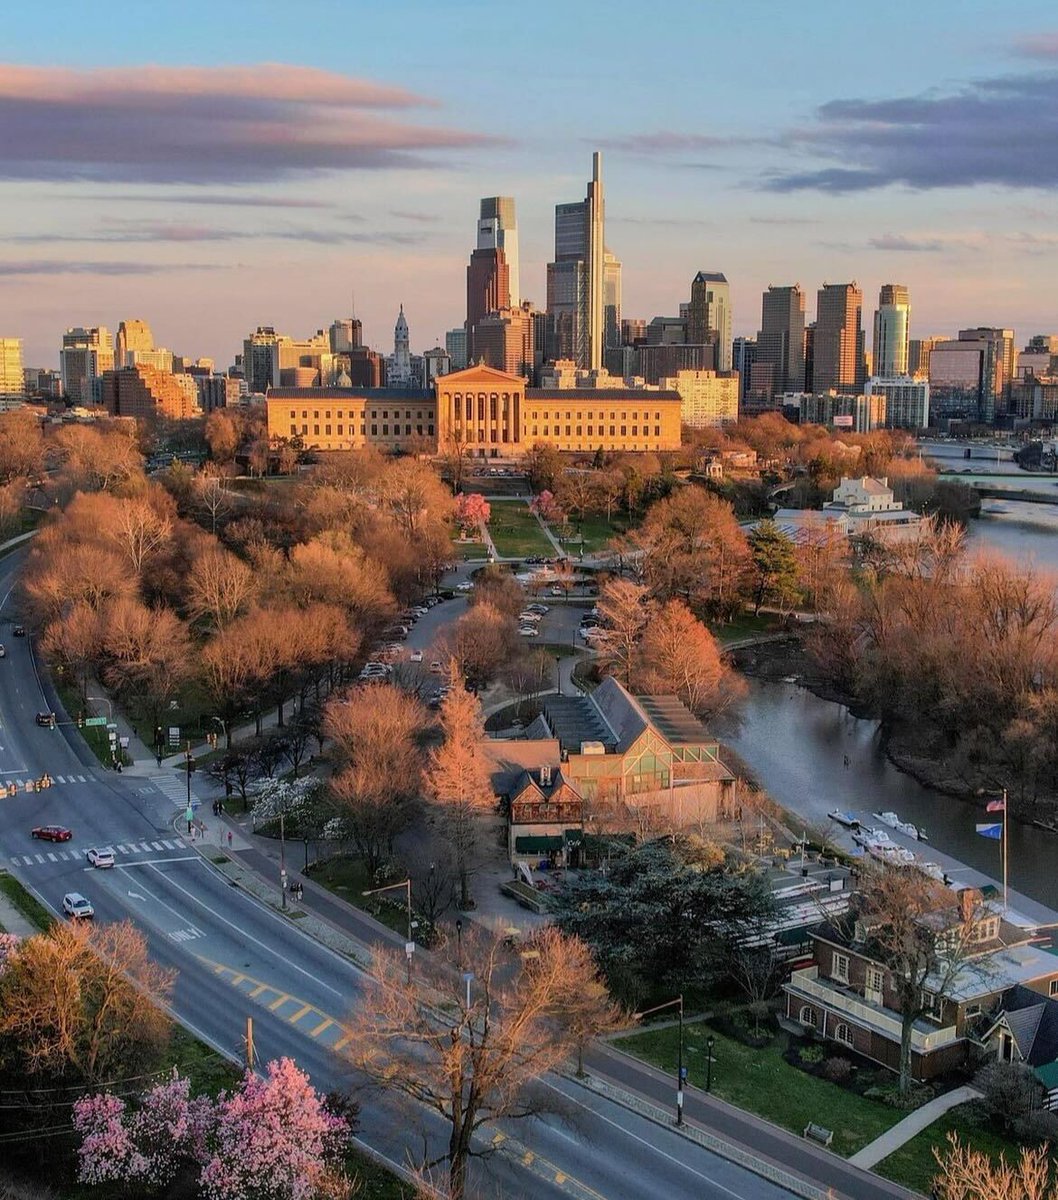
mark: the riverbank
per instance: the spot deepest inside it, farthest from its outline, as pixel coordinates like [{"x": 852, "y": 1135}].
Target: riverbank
[{"x": 909, "y": 750}]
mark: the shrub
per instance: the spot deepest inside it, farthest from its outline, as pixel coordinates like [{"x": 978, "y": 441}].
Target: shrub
[
  {"x": 813, "y": 1055},
  {"x": 837, "y": 1070},
  {"x": 1012, "y": 1093}
]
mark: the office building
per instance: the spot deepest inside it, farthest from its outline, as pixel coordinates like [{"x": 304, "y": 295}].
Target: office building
[
  {"x": 839, "y": 410},
  {"x": 85, "y": 355},
  {"x": 144, "y": 392},
  {"x": 491, "y": 412},
  {"x": 743, "y": 356},
  {"x": 217, "y": 391},
  {"x": 892, "y": 322},
  {"x": 657, "y": 362},
  {"x": 957, "y": 370},
  {"x": 456, "y": 345},
  {"x": 918, "y": 352},
  {"x": 498, "y": 230},
  {"x": 707, "y": 398},
  {"x": 345, "y": 334},
  {"x": 709, "y": 315},
  {"x": 667, "y": 331},
  {"x": 12, "y": 382},
  {"x": 435, "y": 363},
  {"x": 780, "y": 342},
  {"x": 998, "y": 370},
  {"x": 575, "y": 280},
  {"x": 360, "y": 367},
  {"x": 906, "y": 401},
  {"x": 837, "y": 349},
  {"x": 266, "y": 354},
  {"x": 134, "y": 335},
  {"x": 504, "y": 340},
  {"x": 42, "y": 383},
  {"x": 611, "y": 301},
  {"x": 488, "y": 286}
]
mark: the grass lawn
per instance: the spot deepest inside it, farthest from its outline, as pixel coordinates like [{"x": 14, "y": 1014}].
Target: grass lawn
[
  {"x": 914, "y": 1166},
  {"x": 376, "y": 1183},
  {"x": 596, "y": 530},
  {"x": 516, "y": 531},
  {"x": 207, "y": 1070},
  {"x": 745, "y": 625},
  {"x": 347, "y": 877},
  {"x": 28, "y": 905},
  {"x": 762, "y": 1082}
]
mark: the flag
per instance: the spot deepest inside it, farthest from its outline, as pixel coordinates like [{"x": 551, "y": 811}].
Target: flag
[
  {"x": 997, "y": 805},
  {"x": 991, "y": 831}
]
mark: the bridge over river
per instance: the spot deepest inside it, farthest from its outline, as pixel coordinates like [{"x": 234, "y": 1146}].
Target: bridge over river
[{"x": 1036, "y": 489}]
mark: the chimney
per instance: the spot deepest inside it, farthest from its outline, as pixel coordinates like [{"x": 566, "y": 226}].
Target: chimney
[{"x": 970, "y": 900}]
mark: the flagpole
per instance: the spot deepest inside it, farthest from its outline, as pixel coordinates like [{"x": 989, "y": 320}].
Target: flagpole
[{"x": 1006, "y": 905}]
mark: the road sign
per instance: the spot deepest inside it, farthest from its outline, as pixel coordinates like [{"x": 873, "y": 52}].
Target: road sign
[
  {"x": 174, "y": 735},
  {"x": 95, "y": 721}
]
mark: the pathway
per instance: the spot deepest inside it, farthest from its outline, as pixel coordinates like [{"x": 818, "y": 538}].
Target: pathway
[
  {"x": 12, "y": 920},
  {"x": 550, "y": 536},
  {"x": 912, "y": 1125}
]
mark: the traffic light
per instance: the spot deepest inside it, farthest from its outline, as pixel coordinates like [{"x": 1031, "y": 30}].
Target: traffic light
[{"x": 80, "y": 720}]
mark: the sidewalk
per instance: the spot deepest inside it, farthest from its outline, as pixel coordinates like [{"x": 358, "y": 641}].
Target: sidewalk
[
  {"x": 903, "y": 1131},
  {"x": 12, "y": 920}
]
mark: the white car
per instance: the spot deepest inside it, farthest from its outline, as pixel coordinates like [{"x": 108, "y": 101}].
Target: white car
[
  {"x": 529, "y": 618},
  {"x": 415, "y": 656},
  {"x": 76, "y": 907},
  {"x": 556, "y": 591},
  {"x": 99, "y": 858},
  {"x": 466, "y": 586},
  {"x": 528, "y": 631}
]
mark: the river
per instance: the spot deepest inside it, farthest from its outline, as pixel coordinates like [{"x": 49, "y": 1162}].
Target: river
[{"x": 796, "y": 743}]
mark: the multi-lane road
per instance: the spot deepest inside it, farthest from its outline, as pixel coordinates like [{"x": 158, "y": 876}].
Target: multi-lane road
[{"x": 234, "y": 958}]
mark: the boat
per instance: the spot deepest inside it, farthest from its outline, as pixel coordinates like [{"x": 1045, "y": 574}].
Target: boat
[
  {"x": 844, "y": 818},
  {"x": 933, "y": 870},
  {"x": 867, "y": 837},
  {"x": 905, "y": 827}
]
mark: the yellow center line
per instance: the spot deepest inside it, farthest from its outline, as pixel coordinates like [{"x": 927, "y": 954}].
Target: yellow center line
[
  {"x": 341, "y": 1043},
  {"x": 279, "y": 1001},
  {"x": 326, "y": 1023},
  {"x": 300, "y": 1013},
  {"x": 255, "y": 992}
]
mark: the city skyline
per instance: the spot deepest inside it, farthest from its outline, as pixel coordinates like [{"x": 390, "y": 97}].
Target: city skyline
[{"x": 130, "y": 203}]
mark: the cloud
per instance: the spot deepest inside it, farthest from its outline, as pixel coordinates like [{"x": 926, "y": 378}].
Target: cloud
[
  {"x": 140, "y": 232},
  {"x": 975, "y": 135},
  {"x": 73, "y": 267},
  {"x": 907, "y": 245},
  {"x": 234, "y": 200},
  {"x": 784, "y": 220},
  {"x": 666, "y": 142},
  {"x": 1037, "y": 45},
  {"x": 223, "y": 124},
  {"x": 422, "y": 218}
]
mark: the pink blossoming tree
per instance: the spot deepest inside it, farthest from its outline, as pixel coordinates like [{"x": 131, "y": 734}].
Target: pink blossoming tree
[{"x": 472, "y": 510}]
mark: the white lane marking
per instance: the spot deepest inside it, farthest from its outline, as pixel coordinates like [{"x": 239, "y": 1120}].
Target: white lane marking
[
  {"x": 137, "y": 896},
  {"x": 81, "y": 779},
  {"x": 145, "y": 847},
  {"x": 64, "y": 856},
  {"x": 40, "y": 858},
  {"x": 16, "y": 771},
  {"x": 60, "y": 779},
  {"x": 52, "y": 857},
  {"x": 271, "y": 950},
  {"x": 15, "y": 859},
  {"x": 157, "y": 846},
  {"x": 122, "y": 849},
  {"x": 643, "y": 1141},
  {"x": 149, "y": 862},
  {"x": 170, "y": 845}
]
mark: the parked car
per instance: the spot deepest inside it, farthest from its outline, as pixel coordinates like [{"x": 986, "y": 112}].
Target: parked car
[
  {"x": 99, "y": 858},
  {"x": 436, "y": 668},
  {"x": 528, "y": 631},
  {"x": 3, "y": 652},
  {"x": 47, "y": 719},
  {"x": 19, "y": 631},
  {"x": 529, "y": 618},
  {"x": 415, "y": 656},
  {"x": 76, "y": 907},
  {"x": 466, "y": 586},
  {"x": 556, "y": 591},
  {"x": 51, "y": 833},
  {"x": 542, "y": 609}
]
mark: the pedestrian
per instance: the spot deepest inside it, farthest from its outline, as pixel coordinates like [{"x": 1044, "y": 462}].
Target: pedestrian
[
  {"x": 189, "y": 827},
  {"x": 229, "y": 839}
]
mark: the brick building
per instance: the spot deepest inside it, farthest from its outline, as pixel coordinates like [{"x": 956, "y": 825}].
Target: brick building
[{"x": 142, "y": 391}]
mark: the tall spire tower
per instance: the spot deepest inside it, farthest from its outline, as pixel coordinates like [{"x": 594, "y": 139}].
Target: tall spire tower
[{"x": 595, "y": 213}]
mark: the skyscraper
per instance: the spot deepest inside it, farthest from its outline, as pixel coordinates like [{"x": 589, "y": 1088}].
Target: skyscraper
[
  {"x": 611, "y": 300},
  {"x": 999, "y": 362},
  {"x": 456, "y": 345},
  {"x": 488, "y": 285},
  {"x": 85, "y": 355},
  {"x": 11, "y": 381},
  {"x": 781, "y": 340},
  {"x": 134, "y": 335},
  {"x": 892, "y": 323},
  {"x": 709, "y": 315},
  {"x": 498, "y": 230},
  {"x": 576, "y": 279},
  {"x": 838, "y": 347}
]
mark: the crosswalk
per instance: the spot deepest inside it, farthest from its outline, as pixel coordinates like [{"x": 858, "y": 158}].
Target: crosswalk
[
  {"x": 23, "y": 784},
  {"x": 120, "y": 848},
  {"x": 172, "y": 787}
]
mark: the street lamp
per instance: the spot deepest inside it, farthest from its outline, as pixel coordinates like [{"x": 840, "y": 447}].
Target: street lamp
[
  {"x": 681, "y": 1071},
  {"x": 409, "y": 945},
  {"x": 709, "y": 1063},
  {"x": 558, "y": 674},
  {"x": 459, "y": 942}
]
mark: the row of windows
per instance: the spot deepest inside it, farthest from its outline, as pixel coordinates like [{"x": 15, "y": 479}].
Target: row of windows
[
  {"x": 840, "y": 1032},
  {"x": 614, "y": 416},
  {"x": 373, "y": 414},
  {"x": 341, "y": 431},
  {"x": 592, "y": 432}
]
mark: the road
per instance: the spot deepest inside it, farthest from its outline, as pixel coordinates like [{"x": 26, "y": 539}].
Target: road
[{"x": 234, "y": 957}]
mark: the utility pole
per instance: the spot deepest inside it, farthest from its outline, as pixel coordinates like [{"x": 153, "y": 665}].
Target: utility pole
[
  {"x": 282, "y": 858},
  {"x": 250, "y": 1056}
]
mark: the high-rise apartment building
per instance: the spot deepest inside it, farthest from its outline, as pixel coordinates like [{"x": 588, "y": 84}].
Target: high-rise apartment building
[
  {"x": 11, "y": 378},
  {"x": 957, "y": 375},
  {"x": 838, "y": 362},
  {"x": 892, "y": 323},
  {"x": 709, "y": 315},
  {"x": 781, "y": 341},
  {"x": 918, "y": 352},
  {"x": 707, "y": 398},
  {"x": 576, "y": 279},
  {"x": 146, "y": 392},
  {"x": 85, "y": 355},
  {"x": 498, "y": 230},
  {"x": 743, "y": 356},
  {"x": 504, "y": 340},
  {"x": 267, "y": 354},
  {"x": 346, "y": 333},
  {"x": 633, "y": 330},
  {"x": 906, "y": 401},
  {"x": 132, "y": 335}
]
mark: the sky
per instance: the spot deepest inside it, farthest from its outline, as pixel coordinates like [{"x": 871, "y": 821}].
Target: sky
[{"x": 214, "y": 166}]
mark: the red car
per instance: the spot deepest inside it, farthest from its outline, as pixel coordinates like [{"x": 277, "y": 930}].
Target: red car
[{"x": 52, "y": 833}]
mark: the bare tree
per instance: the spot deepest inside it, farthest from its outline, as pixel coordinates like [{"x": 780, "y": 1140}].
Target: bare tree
[
  {"x": 757, "y": 973},
  {"x": 213, "y": 497},
  {"x": 475, "y": 1064},
  {"x": 625, "y": 610},
  {"x": 968, "y": 1174},
  {"x": 219, "y": 586},
  {"x": 140, "y": 530}
]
